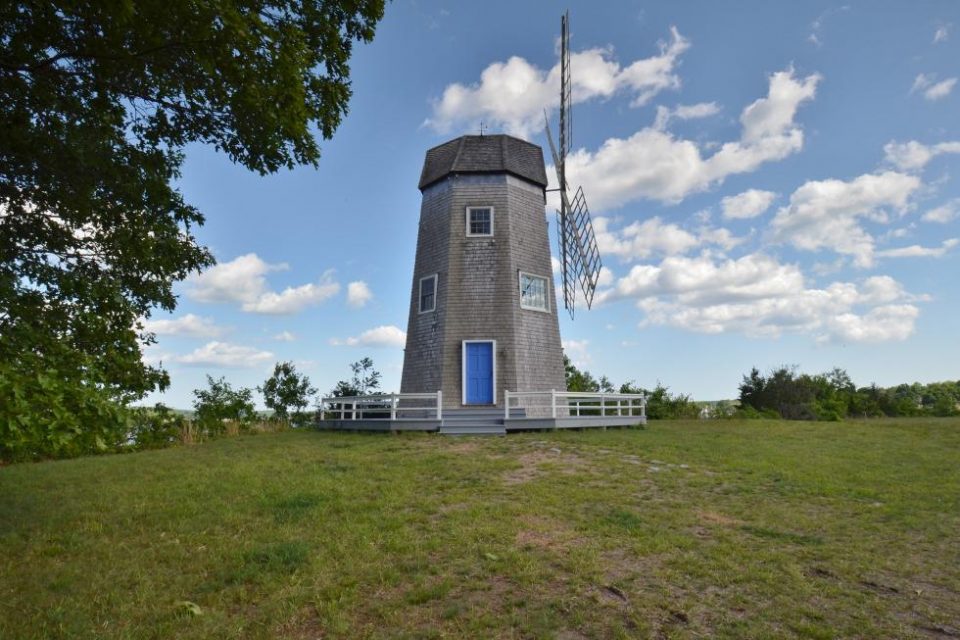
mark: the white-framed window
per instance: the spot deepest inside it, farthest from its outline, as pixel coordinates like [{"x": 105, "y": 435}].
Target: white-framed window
[
  {"x": 428, "y": 293},
  {"x": 479, "y": 221},
  {"x": 534, "y": 292}
]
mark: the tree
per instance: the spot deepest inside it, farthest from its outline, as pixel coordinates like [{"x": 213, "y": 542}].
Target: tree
[
  {"x": 97, "y": 102},
  {"x": 578, "y": 381},
  {"x": 287, "y": 388},
  {"x": 365, "y": 380},
  {"x": 220, "y": 403}
]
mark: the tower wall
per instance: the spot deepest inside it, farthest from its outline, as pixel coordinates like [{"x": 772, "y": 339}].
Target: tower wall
[{"x": 478, "y": 292}]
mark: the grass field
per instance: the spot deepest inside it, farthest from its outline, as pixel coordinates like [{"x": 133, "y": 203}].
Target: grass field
[{"x": 680, "y": 530}]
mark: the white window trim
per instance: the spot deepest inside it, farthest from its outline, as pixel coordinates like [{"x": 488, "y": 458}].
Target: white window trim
[
  {"x": 463, "y": 372},
  {"x": 546, "y": 294},
  {"x": 467, "y": 221},
  {"x": 436, "y": 282}
]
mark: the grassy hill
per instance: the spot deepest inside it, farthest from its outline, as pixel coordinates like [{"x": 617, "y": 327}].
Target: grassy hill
[{"x": 685, "y": 529}]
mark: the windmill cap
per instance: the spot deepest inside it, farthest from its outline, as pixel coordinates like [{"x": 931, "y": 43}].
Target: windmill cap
[{"x": 484, "y": 154}]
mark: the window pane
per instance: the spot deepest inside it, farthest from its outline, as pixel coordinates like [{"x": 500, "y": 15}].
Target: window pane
[
  {"x": 480, "y": 222},
  {"x": 428, "y": 290},
  {"x": 533, "y": 292}
]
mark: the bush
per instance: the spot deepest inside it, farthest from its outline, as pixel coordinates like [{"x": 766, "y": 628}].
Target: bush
[{"x": 155, "y": 427}]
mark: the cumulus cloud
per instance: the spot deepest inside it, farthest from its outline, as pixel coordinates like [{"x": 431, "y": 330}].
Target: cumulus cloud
[
  {"x": 913, "y": 155},
  {"x": 917, "y": 251},
  {"x": 243, "y": 281},
  {"x": 358, "y": 294},
  {"x": 941, "y": 34},
  {"x": 931, "y": 89},
  {"x": 189, "y": 325},
  {"x": 760, "y": 297},
  {"x": 944, "y": 213},
  {"x": 382, "y": 336},
  {"x": 223, "y": 354},
  {"x": 514, "y": 94},
  {"x": 826, "y": 214},
  {"x": 654, "y": 164},
  {"x": 285, "y": 336},
  {"x": 578, "y": 351},
  {"x": 749, "y": 204},
  {"x": 684, "y": 112},
  {"x": 640, "y": 240}
]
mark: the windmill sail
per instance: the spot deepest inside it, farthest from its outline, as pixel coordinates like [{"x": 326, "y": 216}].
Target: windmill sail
[{"x": 579, "y": 255}]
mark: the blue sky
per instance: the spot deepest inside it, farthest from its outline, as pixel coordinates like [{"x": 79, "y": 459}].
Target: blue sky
[{"x": 771, "y": 183}]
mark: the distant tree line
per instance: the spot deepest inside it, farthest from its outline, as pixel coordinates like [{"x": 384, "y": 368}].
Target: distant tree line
[{"x": 785, "y": 393}]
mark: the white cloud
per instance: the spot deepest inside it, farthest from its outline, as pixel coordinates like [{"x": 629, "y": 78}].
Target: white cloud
[
  {"x": 825, "y": 214},
  {"x": 760, "y": 297},
  {"x": 684, "y": 112},
  {"x": 294, "y": 299},
  {"x": 578, "y": 351},
  {"x": 913, "y": 155},
  {"x": 748, "y": 204},
  {"x": 654, "y": 164},
  {"x": 382, "y": 336},
  {"x": 881, "y": 324},
  {"x": 514, "y": 94},
  {"x": 917, "y": 251},
  {"x": 223, "y": 354},
  {"x": 639, "y": 240},
  {"x": 358, "y": 294},
  {"x": 932, "y": 90},
  {"x": 941, "y": 34},
  {"x": 243, "y": 280},
  {"x": 285, "y": 336},
  {"x": 188, "y": 325},
  {"x": 944, "y": 213},
  {"x": 816, "y": 26}
]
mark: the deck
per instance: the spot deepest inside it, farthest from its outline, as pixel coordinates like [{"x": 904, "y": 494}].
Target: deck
[{"x": 521, "y": 411}]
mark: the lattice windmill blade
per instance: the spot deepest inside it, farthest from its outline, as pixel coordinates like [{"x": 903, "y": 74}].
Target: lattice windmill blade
[{"x": 579, "y": 254}]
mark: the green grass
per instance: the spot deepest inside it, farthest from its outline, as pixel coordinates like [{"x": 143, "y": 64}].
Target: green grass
[{"x": 681, "y": 530}]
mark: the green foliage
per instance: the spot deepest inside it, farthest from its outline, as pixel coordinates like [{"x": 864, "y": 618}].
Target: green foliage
[
  {"x": 365, "y": 381},
  {"x": 580, "y": 381},
  {"x": 661, "y": 404},
  {"x": 219, "y": 404},
  {"x": 56, "y": 412},
  {"x": 287, "y": 389},
  {"x": 833, "y": 396},
  {"x": 97, "y": 102},
  {"x": 155, "y": 427}
]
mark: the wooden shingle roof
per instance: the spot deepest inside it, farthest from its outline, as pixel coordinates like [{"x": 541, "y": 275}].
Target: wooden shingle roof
[{"x": 484, "y": 154}]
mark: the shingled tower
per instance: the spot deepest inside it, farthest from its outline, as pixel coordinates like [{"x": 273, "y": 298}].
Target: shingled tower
[{"x": 483, "y": 314}]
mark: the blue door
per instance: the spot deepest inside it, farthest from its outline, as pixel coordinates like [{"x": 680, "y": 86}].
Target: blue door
[{"x": 479, "y": 372}]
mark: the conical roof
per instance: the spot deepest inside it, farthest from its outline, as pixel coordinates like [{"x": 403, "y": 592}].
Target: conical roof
[{"x": 484, "y": 154}]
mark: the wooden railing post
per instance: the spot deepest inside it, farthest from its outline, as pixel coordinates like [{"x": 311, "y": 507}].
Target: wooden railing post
[
  {"x": 506, "y": 404},
  {"x": 440, "y": 404},
  {"x": 393, "y": 406},
  {"x": 553, "y": 403}
]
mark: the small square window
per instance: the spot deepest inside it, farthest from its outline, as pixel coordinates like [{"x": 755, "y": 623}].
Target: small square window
[
  {"x": 533, "y": 292},
  {"x": 428, "y": 293},
  {"x": 479, "y": 221}
]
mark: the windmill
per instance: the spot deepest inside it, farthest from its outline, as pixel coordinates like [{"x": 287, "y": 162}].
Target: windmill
[{"x": 579, "y": 256}]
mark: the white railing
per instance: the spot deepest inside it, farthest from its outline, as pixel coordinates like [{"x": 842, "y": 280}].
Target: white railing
[
  {"x": 564, "y": 404},
  {"x": 386, "y": 406}
]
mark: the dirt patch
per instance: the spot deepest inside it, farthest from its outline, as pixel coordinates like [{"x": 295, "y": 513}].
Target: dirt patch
[
  {"x": 715, "y": 518},
  {"x": 546, "y": 533},
  {"x": 532, "y": 465}
]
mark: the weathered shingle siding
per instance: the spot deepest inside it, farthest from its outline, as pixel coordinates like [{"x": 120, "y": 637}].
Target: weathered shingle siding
[
  {"x": 422, "y": 362},
  {"x": 478, "y": 296}
]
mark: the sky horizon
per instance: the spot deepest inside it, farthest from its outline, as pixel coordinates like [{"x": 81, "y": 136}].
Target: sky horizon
[{"x": 771, "y": 184}]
